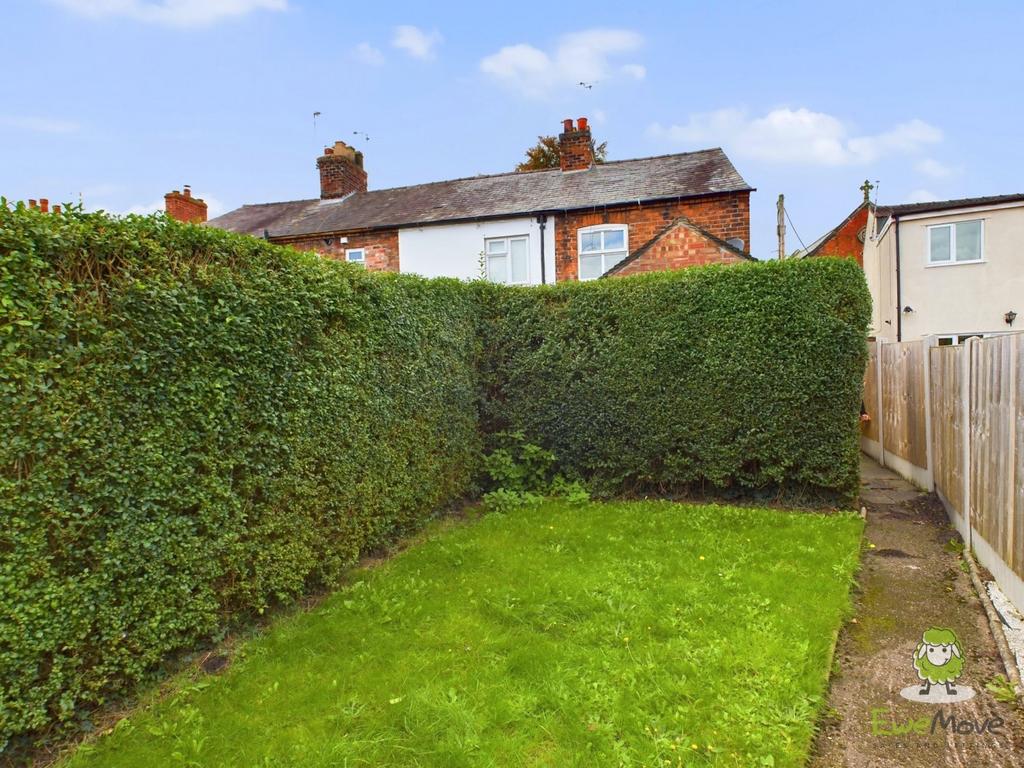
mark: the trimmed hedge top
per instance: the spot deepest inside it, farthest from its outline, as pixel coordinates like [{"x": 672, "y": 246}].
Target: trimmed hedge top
[{"x": 198, "y": 425}]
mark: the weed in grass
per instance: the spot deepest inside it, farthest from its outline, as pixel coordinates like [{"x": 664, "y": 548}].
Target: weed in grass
[{"x": 954, "y": 546}]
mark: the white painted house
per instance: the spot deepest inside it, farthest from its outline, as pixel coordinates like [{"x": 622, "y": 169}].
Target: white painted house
[{"x": 951, "y": 269}]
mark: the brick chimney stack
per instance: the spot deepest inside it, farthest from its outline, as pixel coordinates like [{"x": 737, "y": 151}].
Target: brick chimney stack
[
  {"x": 341, "y": 171},
  {"x": 183, "y": 207},
  {"x": 575, "y": 145}
]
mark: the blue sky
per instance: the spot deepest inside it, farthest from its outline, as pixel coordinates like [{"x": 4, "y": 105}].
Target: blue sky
[{"x": 120, "y": 101}]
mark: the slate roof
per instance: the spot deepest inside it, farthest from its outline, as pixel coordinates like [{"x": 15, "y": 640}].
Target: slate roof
[
  {"x": 691, "y": 174},
  {"x": 254, "y": 219},
  {"x": 884, "y": 211}
]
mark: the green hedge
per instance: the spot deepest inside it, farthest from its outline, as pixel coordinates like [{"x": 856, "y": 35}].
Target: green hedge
[
  {"x": 197, "y": 424},
  {"x": 740, "y": 377}
]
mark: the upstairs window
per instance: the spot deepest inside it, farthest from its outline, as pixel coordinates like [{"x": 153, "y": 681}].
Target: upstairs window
[
  {"x": 601, "y": 248},
  {"x": 507, "y": 259},
  {"x": 356, "y": 255},
  {"x": 957, "y": 243}
]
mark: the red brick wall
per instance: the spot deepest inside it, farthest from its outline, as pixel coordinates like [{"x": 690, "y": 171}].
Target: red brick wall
[
  {"x": 381, "y": 248},
  {"x": 677, "y": 249},
  {"x": 184, "y": 207},
  {"x": 844, "y": 241},
  {"x": 725, "y": 216}
]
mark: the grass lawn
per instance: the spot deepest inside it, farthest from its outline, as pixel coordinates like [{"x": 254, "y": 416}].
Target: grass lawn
[{"x": 633, "y": 634}]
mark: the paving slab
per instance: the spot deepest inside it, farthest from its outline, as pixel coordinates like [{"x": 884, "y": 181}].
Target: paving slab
[{"x": 910, "y": 581}]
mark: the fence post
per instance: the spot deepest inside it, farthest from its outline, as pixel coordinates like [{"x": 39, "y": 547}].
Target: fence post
[
  {"x": 879, "y": 411},
  {"x": 929, "y": 342},
  {"x": 966, "y": 370}
]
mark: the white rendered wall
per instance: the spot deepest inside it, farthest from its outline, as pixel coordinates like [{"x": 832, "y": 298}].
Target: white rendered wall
[{"x": 453, "y": 250}]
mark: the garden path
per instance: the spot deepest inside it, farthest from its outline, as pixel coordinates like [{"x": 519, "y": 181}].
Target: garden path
[{"x": 911, "y": 579}]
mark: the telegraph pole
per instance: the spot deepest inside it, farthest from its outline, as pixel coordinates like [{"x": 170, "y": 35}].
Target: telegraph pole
[{"x": 781, "y": 228}]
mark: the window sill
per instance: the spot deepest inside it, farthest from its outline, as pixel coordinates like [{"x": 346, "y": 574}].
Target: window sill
[{"x": 955, "y": 263}]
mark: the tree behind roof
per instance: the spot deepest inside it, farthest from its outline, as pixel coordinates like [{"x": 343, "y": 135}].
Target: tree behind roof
[{"x": 547, "y": 154}]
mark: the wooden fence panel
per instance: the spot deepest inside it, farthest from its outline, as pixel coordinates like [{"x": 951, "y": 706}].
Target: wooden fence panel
[
  {"x": 903, "y": 401},
  {"x": 991, "y": 448},
  {"x": 947, "y": 423},
  {"x": 1017, "y": 481},
  {"x": 870, "y": 428},
  {"x": 973, "y": 415}
]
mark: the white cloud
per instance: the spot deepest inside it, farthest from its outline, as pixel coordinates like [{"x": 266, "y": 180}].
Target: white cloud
[
  {"x": 797, "y": 136},
  {"x": 175, "y": 13},
  {"x": 921, "y": 196},
  {"x": 368, "y": 54},
  {"x": 38, "y": 124},
  {"x": 636, "y": 71},
  {"x": 934, "y": 169},
  {"x": 578, "y": 57},
  {"x": 416, "y": 42},
  {"x": 143, "y": 209}
]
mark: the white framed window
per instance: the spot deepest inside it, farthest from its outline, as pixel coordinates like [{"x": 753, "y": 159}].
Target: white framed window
[
  {"x": 960, "y": 242},
  {"x": 508, "y": 259},
  {"x": 600, "y": 248},
  {"x": 951, "y": 341},
  {"x": 356, "y": 255}
]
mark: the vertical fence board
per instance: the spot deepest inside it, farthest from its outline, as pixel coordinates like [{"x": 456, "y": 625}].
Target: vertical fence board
[
  {"x": 991, "y": 449},
  {"x": 947, "y": 423},
  {"x": 1017, "y": 486},
  {"x": 903, "y": 401},
  {"x": 870, "y": 429}
]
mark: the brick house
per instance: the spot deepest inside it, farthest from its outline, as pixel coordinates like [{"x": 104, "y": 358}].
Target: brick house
[
  {"x": 845, "y": 240},
  {"x": 583, "y": 220}
]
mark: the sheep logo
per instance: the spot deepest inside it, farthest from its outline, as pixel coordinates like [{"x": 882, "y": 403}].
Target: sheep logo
[{"x": 938, "y": 661}]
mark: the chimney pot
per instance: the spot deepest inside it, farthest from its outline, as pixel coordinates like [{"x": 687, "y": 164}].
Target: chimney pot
[
  {"x": 44, "y": 204},
  {"x": 567, "y": 125},
  {"x": 56, "y": 209},
  {"x": 188, "y": 191},
  {"x": 582, "y": 124},
  {"x": 32, "y": 204}
]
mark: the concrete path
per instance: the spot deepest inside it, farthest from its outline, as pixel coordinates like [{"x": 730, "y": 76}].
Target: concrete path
[{"x": 911, "y": 580}]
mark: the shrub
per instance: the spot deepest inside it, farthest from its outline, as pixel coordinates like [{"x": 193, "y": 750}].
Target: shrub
[
  {"x": 736, "y": 378},
  {"x": 523, "y": 474},
  {"x": 198, "y": 425}
]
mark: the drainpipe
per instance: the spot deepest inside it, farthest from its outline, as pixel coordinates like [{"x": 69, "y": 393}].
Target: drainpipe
[
  {"x": 542, "y": 220},
  {"x": 899, "y": 287}
]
